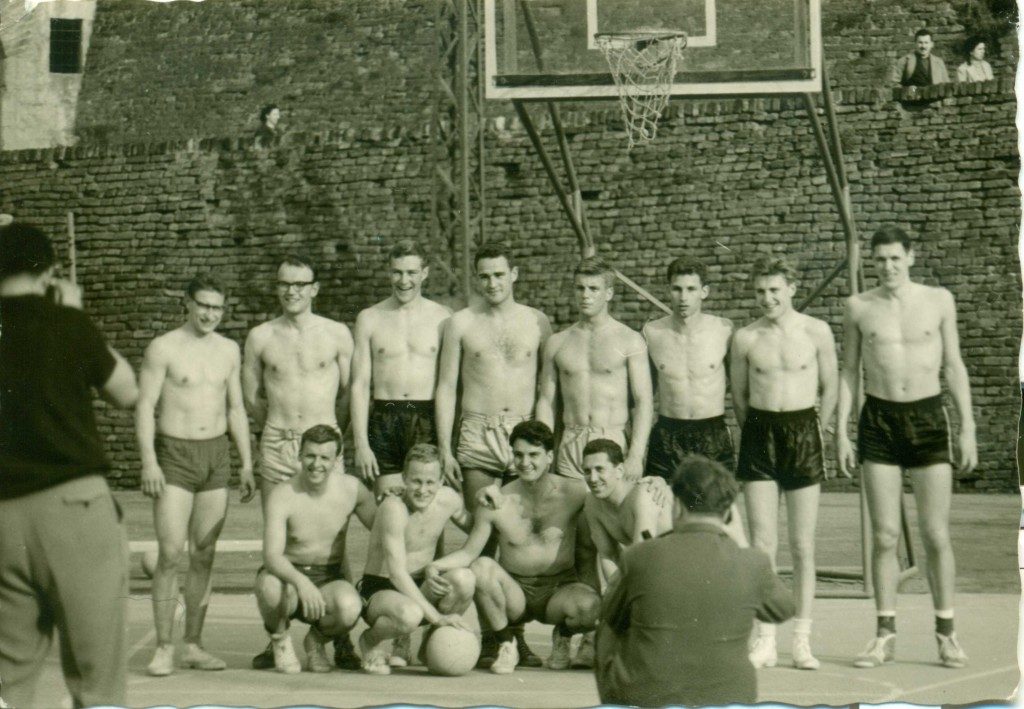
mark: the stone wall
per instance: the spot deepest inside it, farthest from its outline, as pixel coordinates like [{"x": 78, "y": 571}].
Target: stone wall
[
  {"x": 190, "y": 70},
  {"x": 724, "y": 181}
]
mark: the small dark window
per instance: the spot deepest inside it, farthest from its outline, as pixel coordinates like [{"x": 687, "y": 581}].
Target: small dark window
[{"x": 65, "y": 46}]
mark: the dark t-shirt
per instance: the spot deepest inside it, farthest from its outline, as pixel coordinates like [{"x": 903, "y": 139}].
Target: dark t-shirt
[{"x": 51, "y": 357}]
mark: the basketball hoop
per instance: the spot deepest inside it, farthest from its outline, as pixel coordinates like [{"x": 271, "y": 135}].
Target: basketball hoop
[{"x": 643, "y": 64}]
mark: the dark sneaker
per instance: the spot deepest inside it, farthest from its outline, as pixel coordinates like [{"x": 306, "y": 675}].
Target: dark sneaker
[
  {"x": 265, "y": 660},
  {"x": 488, "y": 650},
  {"x": 345, "y": 656},
  {"x": 526, "y": 656}
]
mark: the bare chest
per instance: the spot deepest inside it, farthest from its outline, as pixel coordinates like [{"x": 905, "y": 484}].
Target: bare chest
[
  {"x": 199, "y": 370},
  {"x": 303, "y": 353},
  {"x": 687, "y": 356},
  {"x": 524, "y": 520},
  {"x": 773, "y": 351},
  {"x": 509, "y": 342},
  {"x": 900, "y": 324},
  {"x": 404, "y": 336},
  {"x": 586, "y": 353},
  {"x": 318, "y": 521}
]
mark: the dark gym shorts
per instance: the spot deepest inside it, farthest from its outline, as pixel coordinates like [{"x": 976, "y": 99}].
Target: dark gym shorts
[
  {"x": 784, "y": 446},
  {"x": 539, "y": 590},
  {"x": 371, "y": 584},
  {"x": 911, "y": 434},
  {"x": 196, "y": 466},
  {"x": 672, "y": 439},
  {"x": 395, "y": 427},
  {"x": 320, "y": 575}
]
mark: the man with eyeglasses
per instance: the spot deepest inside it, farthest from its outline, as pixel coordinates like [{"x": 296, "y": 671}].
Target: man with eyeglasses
[
  {"x": 191, "y": 377},
  {"x": 293, "y": 370}
]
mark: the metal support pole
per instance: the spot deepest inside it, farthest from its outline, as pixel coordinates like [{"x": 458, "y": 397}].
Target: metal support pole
[
  {"x": 542, "y": 153},
  {"x": 556, "y": 123},
  {"x": 464, "y": 140}
]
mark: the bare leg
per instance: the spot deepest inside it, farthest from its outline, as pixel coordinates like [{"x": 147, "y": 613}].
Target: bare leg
[
  {"x": 498, "y": 597},
  {"x": 883, "y": 485},
  {"x": 762, "y": 500},
  {"x": 933, "y": 489},
  {"x": 802, "y": 514},
  {"x": 208, "y": 513},
  {"x": 171, "y": 512}
]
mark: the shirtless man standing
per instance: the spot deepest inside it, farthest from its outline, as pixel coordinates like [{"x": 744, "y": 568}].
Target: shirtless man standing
[
  {"x": 542, "y": 542},
  {"x": 904, "y": 334},
  {"x": 397, "y": 593},
  {"x": 619, "y": 511},
  {"x": 397, "y": 344},
  {"x": 192, "y": 375},
  {"x": 688, "y": 351},
  {"x": 595, "y": 365},
  {"x": 295, "y": 366},
  {"x": 780, "y": 364},
  {"x": 303, "y": 552},
  {"x": 492, "y": 349}
]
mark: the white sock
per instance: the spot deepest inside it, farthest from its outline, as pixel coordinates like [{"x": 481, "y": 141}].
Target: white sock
[
  {"x": 766, "y": 630},
  {"x": 802, "y": 626}
]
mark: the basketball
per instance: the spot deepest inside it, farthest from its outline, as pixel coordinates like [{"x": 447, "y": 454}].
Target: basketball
[
  {"x": 452, "y": 651},
  {"x": 149, "y": 562}
]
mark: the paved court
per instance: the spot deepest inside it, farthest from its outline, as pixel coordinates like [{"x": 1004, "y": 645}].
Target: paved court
[{"x": 987, "y": 626}]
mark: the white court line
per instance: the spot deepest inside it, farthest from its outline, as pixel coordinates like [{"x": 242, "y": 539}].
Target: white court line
[
  {"x": 958, "y": 680},
  {"x": 225, "y": 545}
]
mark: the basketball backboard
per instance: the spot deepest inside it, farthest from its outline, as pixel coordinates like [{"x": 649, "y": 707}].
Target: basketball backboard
[{"x": 734, "y": 47}]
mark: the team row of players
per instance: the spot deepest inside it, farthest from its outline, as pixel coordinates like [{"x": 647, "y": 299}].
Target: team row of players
[{"x": 411, "y": 361}]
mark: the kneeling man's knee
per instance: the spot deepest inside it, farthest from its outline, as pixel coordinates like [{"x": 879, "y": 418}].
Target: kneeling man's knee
[
  {"x": 463, "y": 582},
  {"x": 485, "y": 571}
]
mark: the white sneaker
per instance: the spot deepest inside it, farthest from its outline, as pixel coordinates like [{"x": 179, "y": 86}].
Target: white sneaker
[
  {"x": 802, "y": 657},
  {"x": 285, "y": 659},
  {"x": 763, "y": 652},
  {"x": 508, "y": 658},
  {"x": 401, "y": 651},
  {"x": 950, "y": 652},
  {"x": 584, "y": 659},
  {"x": 560, "y": 649},
  {"x": 162, "y": 663},
  {"x": 375, "y": 659},
  {"x": 880, "y": 650},
  {"x": 316, "y": 654}
]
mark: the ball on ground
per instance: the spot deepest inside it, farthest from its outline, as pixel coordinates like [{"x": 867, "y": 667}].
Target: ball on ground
[
  {"x": 452, "y": 651},
  {"x": 149, "y": 562}
]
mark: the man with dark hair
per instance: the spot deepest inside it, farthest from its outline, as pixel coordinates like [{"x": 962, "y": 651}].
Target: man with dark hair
[
  {"x": 192, "y": 375},
  {"x": 268, "y": 130},
  {"x": 394, "y": 370},
  {"x": 620, "y": 512},
  {"x": 780, "y": 363},
  {"x": 491, "y": 354},
  {"x": 904, "y": 334},
  {"x": 688, "y": 351},
  {"x": 303, "y": 553},
  {"x": 920, "y": 68},
  {"x": 294, "y": 368},
  {"x": 63, "y": 551},
  {"x": 398, "y": 593},
  {"x": 546, "y": 568},
  {"x": 594, "y": 368},
  {"x": 679, "y": 639}
]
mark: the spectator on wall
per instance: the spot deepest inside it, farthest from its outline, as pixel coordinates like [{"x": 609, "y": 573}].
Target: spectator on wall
[
  {"x": 920, "y": 68},
  {"x": 268, "y": 131},
  {"x": 975, "y": 68}
]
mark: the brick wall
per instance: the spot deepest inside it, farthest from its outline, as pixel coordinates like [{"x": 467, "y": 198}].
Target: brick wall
[
  {"x": 724, "y": 181},
  {"x": 185, "y": 70}
]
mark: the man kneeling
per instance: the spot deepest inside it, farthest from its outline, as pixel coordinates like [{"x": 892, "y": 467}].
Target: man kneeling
[
  {"x": 400, "y": 595},
  {"x": 542, "y": 541},
  {"x": 303, "y": 549}
]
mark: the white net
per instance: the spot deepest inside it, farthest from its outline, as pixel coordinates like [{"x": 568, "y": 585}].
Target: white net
[{"x": 643, "y": 64}]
